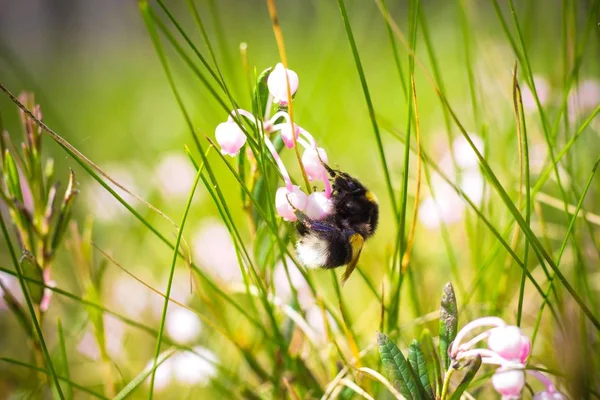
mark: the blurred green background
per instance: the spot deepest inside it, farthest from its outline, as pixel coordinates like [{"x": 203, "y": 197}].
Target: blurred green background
[{"x": 100, "y": 85}]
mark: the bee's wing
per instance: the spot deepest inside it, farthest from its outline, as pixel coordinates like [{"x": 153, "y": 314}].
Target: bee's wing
[{"x": 356, "y": 241}]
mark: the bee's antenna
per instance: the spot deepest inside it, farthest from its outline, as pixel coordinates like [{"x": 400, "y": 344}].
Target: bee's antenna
[{"x": 330, "y": 170}]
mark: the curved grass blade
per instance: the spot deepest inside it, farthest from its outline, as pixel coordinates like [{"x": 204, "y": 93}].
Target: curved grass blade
[
  {"x": 30, "y": 307},
  {"x": 365, "y": 88},
  {"x": 171, "y": 274},
  {"x": 143, "y": 375}
]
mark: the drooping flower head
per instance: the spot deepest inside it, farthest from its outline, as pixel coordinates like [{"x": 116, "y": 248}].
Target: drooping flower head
[
  {"x": 289, "y": 199},
  {"x": 286, "y": 201},
  {"x": 278, "y": 84},
  {"x": 230, "y": 137}
]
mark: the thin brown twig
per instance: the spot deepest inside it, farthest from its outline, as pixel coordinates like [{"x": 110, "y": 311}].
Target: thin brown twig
[{"x": 281, "y": 46}]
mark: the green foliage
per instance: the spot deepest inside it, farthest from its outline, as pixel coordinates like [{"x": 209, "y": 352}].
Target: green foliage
[
  {"x": 396, "y": 365},
  {"x": 448, "y": 322},
  {"x": 472, "y": 369},
  {"x": 33, "y": 271},
  {"x": 419, "y": 366},
  {"x": 540, "y": 228}
]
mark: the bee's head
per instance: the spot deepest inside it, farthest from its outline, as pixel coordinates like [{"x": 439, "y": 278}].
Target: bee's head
[{"x": 355, "y": 206}]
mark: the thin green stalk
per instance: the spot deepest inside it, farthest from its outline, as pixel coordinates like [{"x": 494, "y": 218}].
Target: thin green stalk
[
  {"x": 466, "y": 37},
  {"x": 190, "y": 43},
  {"x": 147, "y": 14},
  {"x": 170, "y": 281},
  {"x": 394, "y": 48},
  {"x": 400, "y": 238},
  {"x": 544, "y": 120},
  {"x": 365, "y": 88},
  {"x": 520, "y": 118},
  {"x": 63, "y": 354},
  {"x": 548, "y": 170},
  {"x": 564, "y": 245},
  {"x": 143, "y": 375},
  {"x": 482, "y": 217},
  {"x": 31, "y": 309}
]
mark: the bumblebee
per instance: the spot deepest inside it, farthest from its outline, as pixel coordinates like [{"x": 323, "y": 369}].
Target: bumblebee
[{"x": 337, "y": 239}]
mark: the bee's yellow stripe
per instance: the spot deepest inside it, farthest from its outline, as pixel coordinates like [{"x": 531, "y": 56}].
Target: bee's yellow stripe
[{"x": 371, "y": 197}]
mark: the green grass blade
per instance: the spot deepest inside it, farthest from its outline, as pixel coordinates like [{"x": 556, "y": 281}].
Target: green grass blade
[
  {"x": 522, "y": 129},
  {"x": 143, "y": 375},
  {"x": 65, "y": 360},
  {"x": 170, "y": 281},
  {"x": 563, "y": 247},
  {"x": 31, "y": 309},
  {"x": 365, "y": 88}
]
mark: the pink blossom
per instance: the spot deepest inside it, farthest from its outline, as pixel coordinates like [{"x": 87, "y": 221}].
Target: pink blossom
[
  {"x": 509, "y": 343},
  {"x": 318, "y": 206},
  {"x": 230, "y": 137},
  {"x": 509, "y": 382},
  {"x": 286, "y": 134},
  {"x": 312, "y": 164},
  {"x": 277, "y": 83},
  {"x": 283, "y": 198}
]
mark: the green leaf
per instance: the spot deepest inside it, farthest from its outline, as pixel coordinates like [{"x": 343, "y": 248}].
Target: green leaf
[
  {"x": 65, "y": 212},
  {"x": 260, "y": 93},
  {"x": 11, "y": 176},
  {"x": 448, "y": 322},
  {"x": 419, "y": 366},
  {"x": 432, "y": 361},
  {"x": 464, "y": 384},
  {"x": 397, "y": 367},
  {"x": 32, "y": 270}
]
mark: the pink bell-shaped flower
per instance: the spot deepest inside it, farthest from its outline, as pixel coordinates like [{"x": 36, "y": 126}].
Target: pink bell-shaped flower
[
  {"x": 509, "y": 382},
  {"x": 277, "y": 84},
  {"x": 312, "y": 164},
  {"x": 318, "y": 206},
  {"x": 230, "y": 137},
  {"x": 283, "y": 198},
  {"x": 510, "y": 343},
  {"x": 286, "y": 135}
]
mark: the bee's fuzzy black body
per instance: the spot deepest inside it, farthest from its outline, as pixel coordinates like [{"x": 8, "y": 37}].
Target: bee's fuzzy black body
[{"x": 337, "y": 239}]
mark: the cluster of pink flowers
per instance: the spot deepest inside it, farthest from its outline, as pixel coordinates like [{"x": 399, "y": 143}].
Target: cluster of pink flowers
[
  {"x": 231, "y": 138},
  {"x": 508, "y": 348}
]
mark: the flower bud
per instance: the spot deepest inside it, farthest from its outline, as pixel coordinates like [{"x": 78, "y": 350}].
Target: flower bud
[
  {"x": 510, "y": 343},
  {"x": 283, "y": 198},
  {"x": 286, "y": 135},
  {"x": 312, "y": 164},
  {"x": 318, "y": 206},
  {"x": 549, "y": 396},
  {"x": 509, "y": 382},
  {"x": 230, "y": 137},
  {"x": 277, "y": 84}
]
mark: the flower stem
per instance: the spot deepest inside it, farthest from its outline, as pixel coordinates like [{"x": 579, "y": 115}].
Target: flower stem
[{"x": 446, "y": 384}]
